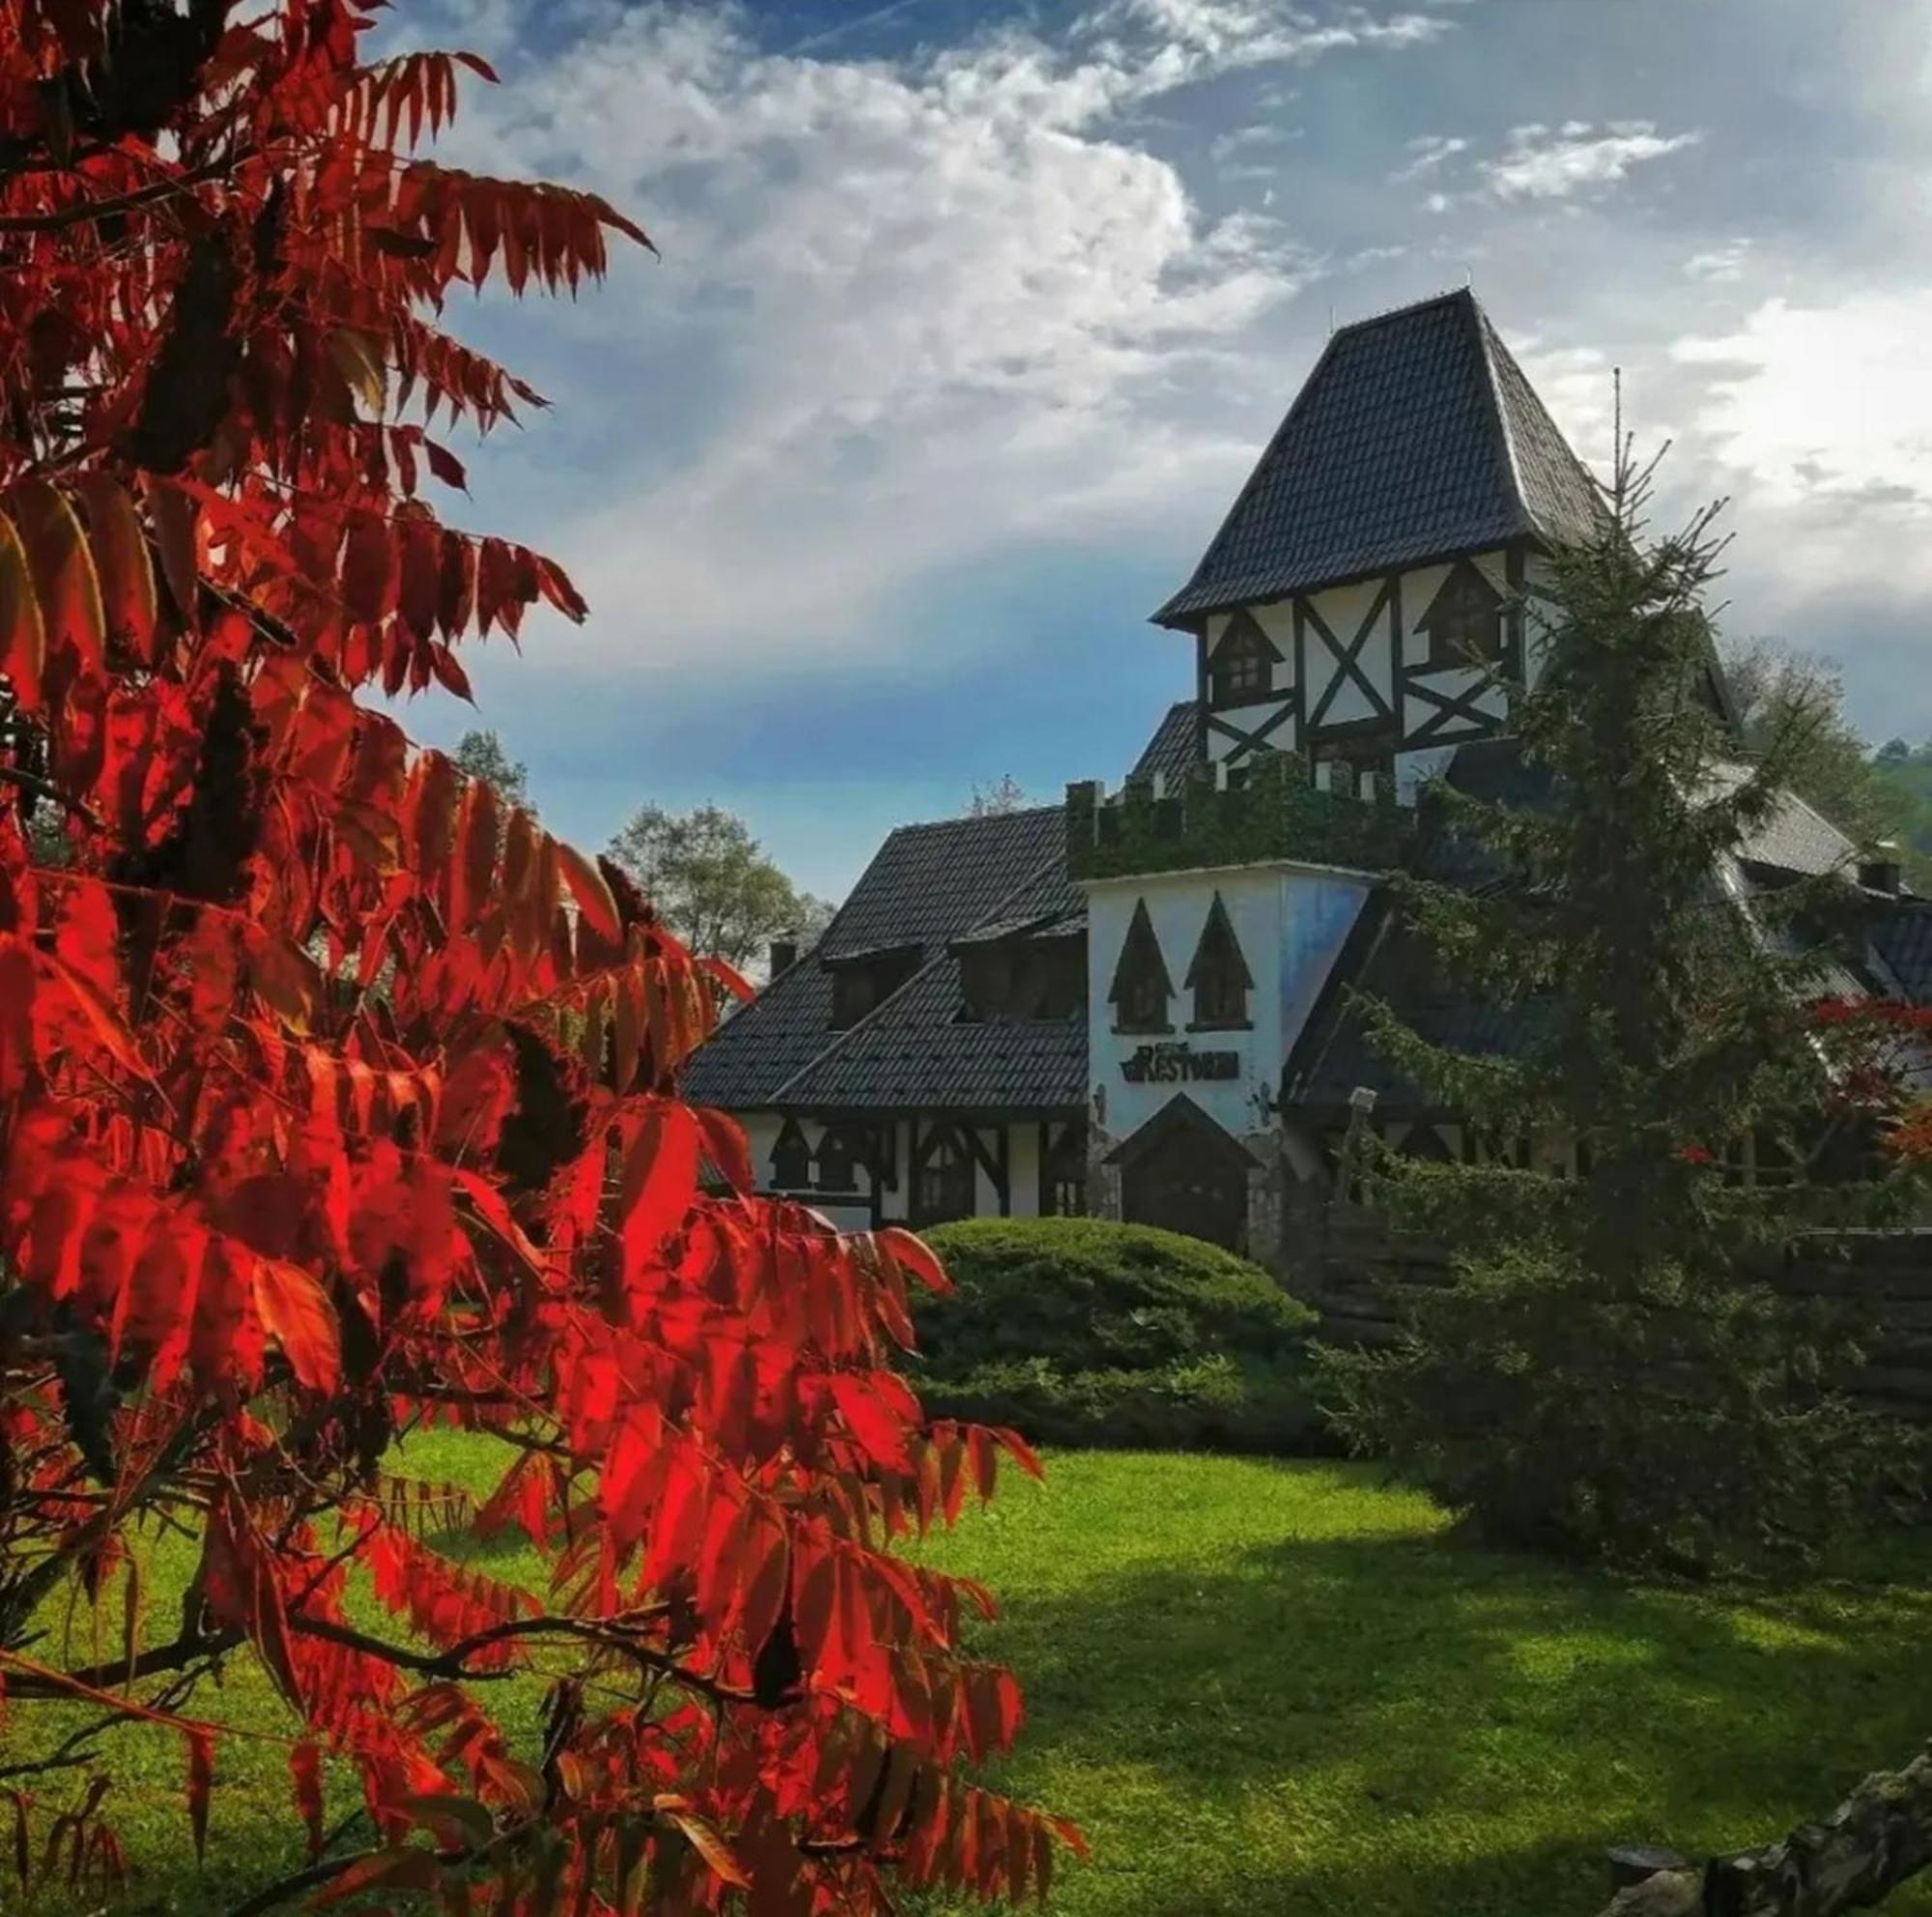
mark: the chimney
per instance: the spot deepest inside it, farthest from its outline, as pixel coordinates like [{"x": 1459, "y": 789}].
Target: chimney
[
  {"x": 785, "y": 953},
  {"x": 1882, "y": 869}
]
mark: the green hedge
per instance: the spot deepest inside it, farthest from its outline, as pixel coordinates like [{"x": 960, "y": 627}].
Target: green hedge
[{"x": 1077, "y": 1331}]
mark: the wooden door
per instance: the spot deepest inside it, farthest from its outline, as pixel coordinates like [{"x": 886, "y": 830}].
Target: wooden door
[{"x": 1191, "y": 1182}]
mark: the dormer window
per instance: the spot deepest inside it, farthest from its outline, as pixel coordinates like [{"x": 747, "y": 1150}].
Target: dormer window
[
  {"x": 1218, "y": 976},
  {"x": 863, "y": 981},
  {"x": 1464, "y": 620},
  {"x": 1140, "y": 986},
  {"x": 1241, "y": 672}
]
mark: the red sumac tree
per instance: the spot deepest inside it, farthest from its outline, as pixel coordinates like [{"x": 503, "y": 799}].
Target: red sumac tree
[{"x": 333, "y": 1106}]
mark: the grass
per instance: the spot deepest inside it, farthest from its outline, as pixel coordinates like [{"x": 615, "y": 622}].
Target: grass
[{"x": 1282, "y": 1687}]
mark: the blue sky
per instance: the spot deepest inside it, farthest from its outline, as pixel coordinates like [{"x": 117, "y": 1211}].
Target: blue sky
[{"x": 971, "y": 319}]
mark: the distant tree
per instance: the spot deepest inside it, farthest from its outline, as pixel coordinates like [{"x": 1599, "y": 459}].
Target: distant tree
[
  {"x": 481, "y": 756},
  {"x": 1894, "y": 748},
  {"x": 1792, "y": 701},
  {"x": 713, "y": 883},
  {"x": 1005, "y": 795},
  {"x": 1599, "y": 1377}
]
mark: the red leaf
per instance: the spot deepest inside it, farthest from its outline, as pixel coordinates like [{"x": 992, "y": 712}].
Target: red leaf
[
  {"x": 306, "y": 1772},
  {"x": 121, "y": 557},
  {"x": 23, "y": 638},
  {"x": 881, "y": 1434},
  {"x": 729, "y": 977},
  {"x": 912, "y": 1254},
  {"x": 591, "y": 891},
  {"x": 726, "y": 1146},
  {"x": 200, "y": 1780},
  {"x": 297, "y": 1313},
  {"x": 63, "y": 571},
  {"x": 660, "y": 1177}
]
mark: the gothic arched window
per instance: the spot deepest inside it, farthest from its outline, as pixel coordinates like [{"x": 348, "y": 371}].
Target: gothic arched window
[
  {"x": 838, "y": 1161},
  {"x": 1218, "y": 976},
  {"x": 791, "y": 1159},
  {"x": 944, "y": 1185},
  {"x": 1140, "y": 987}
]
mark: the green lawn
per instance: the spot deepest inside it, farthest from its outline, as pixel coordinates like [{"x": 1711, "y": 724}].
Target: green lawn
[{"x": 1281, "y": 1688}]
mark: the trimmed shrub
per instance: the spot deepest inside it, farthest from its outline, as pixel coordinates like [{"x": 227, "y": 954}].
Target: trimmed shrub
[{"x": 1079, "y": 1331}]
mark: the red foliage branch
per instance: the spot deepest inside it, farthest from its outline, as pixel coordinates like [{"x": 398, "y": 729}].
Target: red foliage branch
[
  {"x": 335, "y": 1106},
  {"x": 1881, "y": 1054}
]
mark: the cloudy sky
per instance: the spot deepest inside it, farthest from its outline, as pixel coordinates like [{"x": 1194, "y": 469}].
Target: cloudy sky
[{"x": 971, "y": 318}]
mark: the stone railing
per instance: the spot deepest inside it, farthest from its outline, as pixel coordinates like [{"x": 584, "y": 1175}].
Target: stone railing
[{"x": 1271, "y": 806}]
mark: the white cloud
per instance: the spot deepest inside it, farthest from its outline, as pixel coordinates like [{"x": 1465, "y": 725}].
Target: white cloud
[
  {"x": 1827, "y": 408},
  {"x": 950, "y": 307},
  {"x": 1427, "y": 153},
  {"x": 1547, "y": 163},
  {"x": 1720, "y": 265}
]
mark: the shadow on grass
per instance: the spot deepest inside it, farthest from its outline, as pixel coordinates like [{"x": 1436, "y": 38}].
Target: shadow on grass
[{"x": 1416, "y": 1726}]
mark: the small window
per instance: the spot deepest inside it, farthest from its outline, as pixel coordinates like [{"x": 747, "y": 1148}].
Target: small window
[
  {"x": 1241, "y": 668},
  {"x": 791, "y": 1159},
  {"x": 1062, "y": 1175},
  {"x": 1140, "y": 987},
  {"x": 861, "y": 986},
  {"x": 944, "y": 1186},
  {"x": 1464, "y": 620},
  {"x": 1218, "y": 976},
  {"x": 839, "y": 1159}
]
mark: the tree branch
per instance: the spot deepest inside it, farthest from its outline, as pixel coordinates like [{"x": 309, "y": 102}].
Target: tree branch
[
  {"x": 1874, "y": 1841},
  {"x": 83, "y": 210}
]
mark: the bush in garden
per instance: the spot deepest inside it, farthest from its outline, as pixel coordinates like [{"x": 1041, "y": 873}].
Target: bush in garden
[{"x": 1078, "y": 1331}]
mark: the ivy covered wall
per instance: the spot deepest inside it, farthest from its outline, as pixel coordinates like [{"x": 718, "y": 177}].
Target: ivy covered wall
[{"x": 1276, "y": 812}]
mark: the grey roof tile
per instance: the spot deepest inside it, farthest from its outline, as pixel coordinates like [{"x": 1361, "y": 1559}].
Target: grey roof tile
[
  {"x": 915, "y": 1053},
  {"x": 1902, "y": 936},
  {"x": 1174, "y": 749},
  {"x": 926, "y": 886},
  {"x": 1416, "y": 436}
]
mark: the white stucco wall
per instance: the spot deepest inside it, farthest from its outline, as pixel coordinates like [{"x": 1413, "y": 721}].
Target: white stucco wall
[{"x": 1291, "y": 924}]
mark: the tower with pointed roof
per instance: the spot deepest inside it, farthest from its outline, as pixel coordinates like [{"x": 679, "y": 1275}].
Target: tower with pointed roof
[{"x": 1382, "y": 551}]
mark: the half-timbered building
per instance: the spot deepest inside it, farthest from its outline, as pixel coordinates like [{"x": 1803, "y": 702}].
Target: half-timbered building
[{"x": 1134, "y": 1004}]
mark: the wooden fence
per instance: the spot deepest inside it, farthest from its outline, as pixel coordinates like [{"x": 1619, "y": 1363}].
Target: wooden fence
[{"x": 1353, "y": 1274}]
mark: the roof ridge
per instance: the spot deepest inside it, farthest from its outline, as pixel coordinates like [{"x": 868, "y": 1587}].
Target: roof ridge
[
  {"x": 1450, "y": 297},
  {"x": 975, "y": 819},
  {"x": 1486, "y": 344}
]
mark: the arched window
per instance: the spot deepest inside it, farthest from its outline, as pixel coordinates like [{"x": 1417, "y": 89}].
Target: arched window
[
  {"x": 839, "y": 1159},
  {"x": 944, "y": 1185},
  {"x": 1062, "y": 1175},
  {"x": 1140, "y": 986},
  {"x": 791, "y": 1159},
  {"x": 1218, "y": 976}
]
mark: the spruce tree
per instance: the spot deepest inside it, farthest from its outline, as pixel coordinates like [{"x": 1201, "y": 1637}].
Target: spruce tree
[{"x": 1602, "y": 1374}]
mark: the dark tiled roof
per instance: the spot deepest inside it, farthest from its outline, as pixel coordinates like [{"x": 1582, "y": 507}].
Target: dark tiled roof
[
  {"x": 913, "y": 1053},
  {"x": 927, "y": 885},
  {"x": 1416, "y": 436},
  {"x": 1902, "y": 937},
  {"x": 1385, "y": 960},
  {"x": 1174, "y": 749}
]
